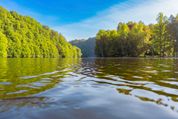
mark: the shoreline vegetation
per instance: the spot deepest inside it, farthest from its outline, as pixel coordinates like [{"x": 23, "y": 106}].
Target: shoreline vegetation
[
  {"x": 24, "y": 37},
  {"x": 135, "y": 39}
]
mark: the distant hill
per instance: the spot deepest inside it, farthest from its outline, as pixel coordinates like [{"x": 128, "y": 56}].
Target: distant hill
[
  {"x": 87, "y": 46},
  {"x": 24, "y": 37}
]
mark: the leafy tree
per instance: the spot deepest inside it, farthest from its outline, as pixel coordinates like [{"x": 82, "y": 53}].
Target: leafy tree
[
  {"x": 24, "y": 37},
  {"x": 161, "y": 36},
  {"x": 173, "y": 31},
  {"x": 134, "y": 39},
  {"x": 131, "y": 39}
]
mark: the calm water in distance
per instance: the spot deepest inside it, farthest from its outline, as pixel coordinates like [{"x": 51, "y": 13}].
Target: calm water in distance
[{"x": 89, "y": 88}]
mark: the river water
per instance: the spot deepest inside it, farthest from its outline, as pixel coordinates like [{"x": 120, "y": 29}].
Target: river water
[{"x": 93, "y": 88}]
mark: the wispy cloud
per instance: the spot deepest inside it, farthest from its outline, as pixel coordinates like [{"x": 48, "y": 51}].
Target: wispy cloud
[{"x": 132, "y": 10}]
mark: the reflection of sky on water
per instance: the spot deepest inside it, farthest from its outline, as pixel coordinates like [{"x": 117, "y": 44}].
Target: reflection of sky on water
[{"x": 94, "y": 88}]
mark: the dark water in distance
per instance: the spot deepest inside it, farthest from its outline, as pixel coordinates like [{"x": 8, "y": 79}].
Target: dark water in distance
[{"x": 88, "y": 88}]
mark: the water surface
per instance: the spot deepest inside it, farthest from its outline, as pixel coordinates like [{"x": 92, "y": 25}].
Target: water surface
[{"x": 89, "y": 88}]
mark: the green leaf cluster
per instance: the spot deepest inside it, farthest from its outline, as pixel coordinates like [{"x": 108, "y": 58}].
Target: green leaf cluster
[
  {"x": 24, "y": 37},
  {"x": 135, "y": 39}
]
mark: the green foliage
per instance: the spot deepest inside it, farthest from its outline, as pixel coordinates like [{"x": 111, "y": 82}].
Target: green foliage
[
  {"x": 3, "y": 45},
  {"x": 137, "y": 39},
  {"x": 130, "y": 39},
  {"x": 24, "y": 37},
  {"x": 173, "y": 31},
  {"x": 161, "y": 36}
]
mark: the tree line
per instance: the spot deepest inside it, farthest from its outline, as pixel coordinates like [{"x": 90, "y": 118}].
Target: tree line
[
  {"x": 24, "y": 37},
  {"x": 135, "y": 39}
]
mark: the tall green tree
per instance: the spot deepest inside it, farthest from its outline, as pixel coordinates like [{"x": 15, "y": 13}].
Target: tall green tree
[
  {"x": 173, "y": 31},
  {"x": 161, "y": 36}
]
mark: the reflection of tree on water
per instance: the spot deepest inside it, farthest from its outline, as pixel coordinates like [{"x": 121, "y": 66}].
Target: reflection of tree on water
[
  {"x": 3, "y": 70},
  {"x": 146, "y": 79},
  {"x": 26, "y": 77},
  {"x": 156, "y": 77}
]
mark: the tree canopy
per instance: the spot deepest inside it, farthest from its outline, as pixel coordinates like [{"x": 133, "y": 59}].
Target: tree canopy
[
  {"x": 24, "y": 37},
  {"x": 135, "y": 39}
]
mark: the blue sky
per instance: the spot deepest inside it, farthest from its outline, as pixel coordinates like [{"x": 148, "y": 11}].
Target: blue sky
[{"x": 77, "y": 19}]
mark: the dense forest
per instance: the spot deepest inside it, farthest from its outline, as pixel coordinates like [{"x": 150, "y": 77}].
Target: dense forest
[
  {"x": 87, "y": 46},
  {"x": 137, "y": 39},
  {"x": 24, "y": 37}
]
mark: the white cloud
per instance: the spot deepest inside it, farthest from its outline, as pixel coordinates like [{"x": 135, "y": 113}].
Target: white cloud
[{"x": 131, "y": 10}]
